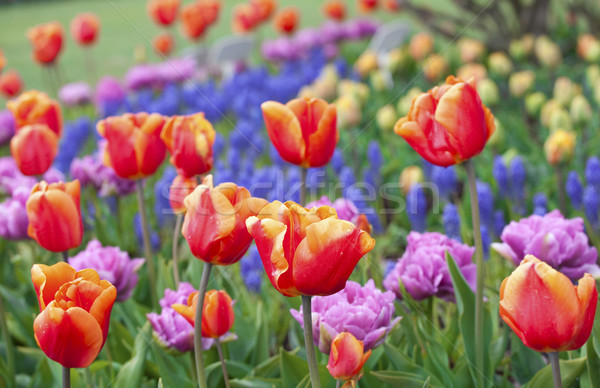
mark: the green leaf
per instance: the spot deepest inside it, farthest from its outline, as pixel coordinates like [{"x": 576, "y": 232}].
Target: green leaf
[
  {"x": 570, "y": 370},
  {"x": 130, "y": 374},
  {"x": 214, "y": 373},
  {"x": 526, "y": 362},
  {"x": 593, "y": 364},
  {"x": 256, "y": 382},
  {"x": 400, "y": 379},
  {"x": 171, "y": 369},
  {"x": 268, "y": 368},
  {"x": 293, "y": 369},
  {"x": 401, "y": 362},
  {"x": 465, "y": 301}
]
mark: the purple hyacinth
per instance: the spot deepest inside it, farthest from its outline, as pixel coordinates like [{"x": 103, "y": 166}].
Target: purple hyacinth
[
  {"x": 416, "y": 208},
  {"x": 574, "y": 189},
  {"x": 500, "y": 175},
  {"x": 445, "y": 180},
  {"x": 499, "y": 222},
  {"x": 451, "y": 221},
  {"x": 337, "y": 161},
  {"x": 374, "y": 155},
  {"x": 251, "y": 269},
  {"x": 591, "y": 206},
  {"x": 7, "y": 126},
  {"x": 91, "y": 171},
  {"x": 540, "y": 204},
  {"x": 518, "y": 175},
  {"x": 592, "y": 172},
  {"x": 171, "y": 328},
  {"x": 486, "y": 203},
  {"x": 74, "y": 94},
  {"x": 423, "y": 270},
  {"x": 560, "y": 242},
  {"x": 154, "y": 237},
  {"x": 365, "y": 311},
  {"x": 13, "y": 215},
  {"x": 112, "y": 264},
  {"x": 486, "y": 241}
]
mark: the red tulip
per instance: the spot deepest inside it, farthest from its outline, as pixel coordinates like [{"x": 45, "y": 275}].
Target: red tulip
[
  {"x": 347, "y": 358},
  {"x": 134, "y": 148},
  {"x": 193, "y": 21},
  {"x": 217, "y": 312},
  {"x": 263, "y": 9},
  {"x": 448, "y": 124},
  {"x": 180, "y": 188},
  {"x": 392, "y": 5},
  {"x": 335, "y": 9},
  {"x": 33, "y": 107},
  {"x": 2, "y": 61},
  {"x": 189, "y": 139},
  {"x": 546, "y": 311},
  {"x": 307, "y": 252},
  {"x": 163, "y": 44},
  {"x": 85, "y": 28},
  {"x": 10, "y": 83},
  {"x": 47, "y": 41},
  {"x": 210, "y": 10},
  {"x": 54, "y": 215},
  {"x": 163, "y": 12},
  {"x": 215, "y": 221},
  {"x": 367, "y": 6},
  {"x": 287, "y": 20},
  {"x": 34, "y": 148},
  {"x": 245, "y": 18},
  {"x": 75, "y": 308},
  {"x": 303, "y": 131}
]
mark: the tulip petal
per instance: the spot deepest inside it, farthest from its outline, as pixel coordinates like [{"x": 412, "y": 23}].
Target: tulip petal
[
  {"x": 72, "y": 338},
  {"x": 321, "y": 143},
  {"x": 285, "y": 131},
  {"x": 47, "y": 280}
]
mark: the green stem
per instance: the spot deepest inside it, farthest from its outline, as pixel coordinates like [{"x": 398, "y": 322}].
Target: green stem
[
  {"x": 194, "y": 376},
  {"x": 176, "y": 233},
  {"x": 10, "y": 355},
  {"x": 338, "y": 383},
  {"x": 304, "y": 172},
  {"x": 308, "y": 339},
  {"x": 66, "y": 377},
  {"x": 554, "y": 360},
  {"x": 562, "y": 201},
  {"x": 223, "y": 366},
  {"x": 479, "y": 354},
  {"x": 198, "y": 326},
  {"x": 65, "y": 256},
  {"x": 147, "y": 247}
]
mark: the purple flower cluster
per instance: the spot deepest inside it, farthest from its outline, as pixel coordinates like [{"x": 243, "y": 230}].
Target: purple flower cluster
[
  {"x": 345, "y": 208},
  {"x": 159, "y": 74},
  {"x": 7, "y": 126},
  {"x": 74, "y": 94},
  {"x": 112, "y": 264},
  {"x": 91, "y": 171},
  {"x": 423, "y": 270},
  {"x": 13, "y": 215},
  {"x": 560, "y": 242},
  {"x": 366, "y": 312}
]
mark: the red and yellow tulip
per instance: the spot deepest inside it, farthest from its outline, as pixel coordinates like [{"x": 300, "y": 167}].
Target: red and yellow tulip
[
  {"x": 287, "y": 20},
  {"x": 217, "y": 312},
  {"x": 335, "y": 10},
  {"x": 85, "y": 28},
  {"x": 33, "y": 107},
  {"x": 346, "y": 359},
  {"x": 163, "y": 12},
  {"x": 193, "y": 21},
  {"x": 34, "y": 148},
  {"x": 47, "y": 41},
  {"x": 307, "y": 252},
  {"x": 546, "y": 311},
  {"x": 10, "y": 83},
  {"x": 75, "y": 309}
]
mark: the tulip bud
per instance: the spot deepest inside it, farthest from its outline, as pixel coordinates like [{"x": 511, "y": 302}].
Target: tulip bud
[
  {"x": 34, "y": 148},
  {"x": 217, "y": 312},
  {"x": 409, "y": 177},
  {"x": 84, "y": 28},
  {"x": 435, "y": 67},
  {"x": 592, "y": 74},
  {"x": 560, "y": 119},
  {"x": 498, "y": 137},
  {"x": 545, "y": 310},
  {"x": 366, "y": 63},
  {"x": 559, "y": 147},
  {"x": 163, "y": 12},
  {"x": 488, "y": 91},
  {"x": 377, "y": 80},
  {"x": 499, "y": 63},
  {"x": 348, "y": 111},
  {"x": 581, "y": 110},
  {"x": 471, "y": 50},
  {"x": 405, "y": 102},
  {"x": 520, "y": 83},
  {"x": 354, "y": 89},
  {"x": 398, "y": 59},
  {"x": 534, "y": 102},
  {"x": 163, "y": 44},
  {"x": 549, "y": 107},
  {"x": 472, "y": 70},
  {"x": 520, "y": 49},
  {"x": 287, "y": 20},
  {"x": 347, "y": 358},
  {"x": 547, "y": 52},
  {"x": 386, "y": 118},
  {"x": 10, "y": 83},
  {"x": 420, "y": 46},
  {"x": 588, "y": 47},
  {"x": 565, "y": 90}
]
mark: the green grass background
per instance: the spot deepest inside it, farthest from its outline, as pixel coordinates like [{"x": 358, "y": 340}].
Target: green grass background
[{"x": 125, "y": 26}]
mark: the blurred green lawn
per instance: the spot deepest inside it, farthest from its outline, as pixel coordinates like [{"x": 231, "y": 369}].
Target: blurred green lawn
[{"x": 125, "y": 26}]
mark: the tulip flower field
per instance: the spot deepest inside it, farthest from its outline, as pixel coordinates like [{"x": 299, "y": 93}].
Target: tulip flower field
[{"x": 268, "y": 194}]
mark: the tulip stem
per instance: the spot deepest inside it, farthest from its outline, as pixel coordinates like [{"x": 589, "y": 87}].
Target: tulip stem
[
  {"x": 146, "y": 237},
  {"x": 303, "y": 173},
  {"x": 174, "y": 254},
  {"x": 562, "y": 202},
  {"x": 479, "y": 354},
  {"x": 65, "y": 256},
  {"x": 308, "y": 339},
  {"x": 198, "y": 326},
  {"x": 10, "y": 356},
  {"x": 338, "y": 383},
  {"x": 554, "y": 360},
  {"x": 223, "y": 366},
  {"x": 66, "y": 377}
]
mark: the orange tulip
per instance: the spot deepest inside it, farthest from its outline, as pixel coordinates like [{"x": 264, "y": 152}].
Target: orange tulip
[
  {"x": 448, "y": 124},
  {"x": 47, "y": 41},
  {"x": 134, "y": 148},
  {"x": 546, "y": 311},
  {"x": 367, "y": 6},
  {"x": 245, "y": 18},
  {"x": 54, "y": 215},
  {"x": 189, "y": 139},
  {"x": 215, "y": 221},
  {"x": 347, "y": 358},
  {"x": 392, "y": 5},
  {"x": 420, "y": 46},
  {"x": 35, "y": 107},
  {"x": 34, "y": 148},
  {"x": 287, "y": 20},
  {"x": 2, "y": 61},
  {"x": 303, "y": 130},
  {"x": 210, "y": 10},
  {"x": 335, "y": 9},
  {"x": 217, "y": 312},
  {"x": 163, "y": 44},
  {"x": 163, "y": 12},
  {"x": 85, "y": 28},
  {"x": 362, "y": 223},
  {"x": 307, "y": 252},
  {"x": 75, "y": 308},
  {"x": 263, "y": 9},
  {"x": 193, "y": 21},
  {"x": 10, "y": 83},
  {"x": 180, "y": 188}
]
